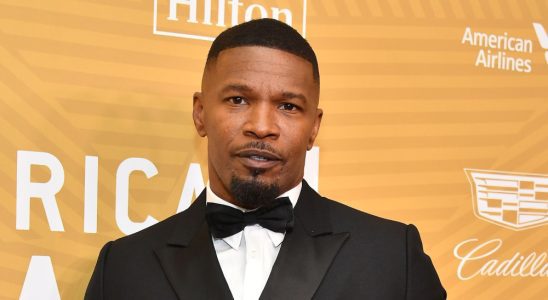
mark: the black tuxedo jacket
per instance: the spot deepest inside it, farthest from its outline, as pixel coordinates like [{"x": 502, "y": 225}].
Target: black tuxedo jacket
[{"x": 333, "y": 252}]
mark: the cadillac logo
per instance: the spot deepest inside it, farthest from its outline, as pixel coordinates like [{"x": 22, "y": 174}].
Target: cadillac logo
[{"x": 513, "y": 200}]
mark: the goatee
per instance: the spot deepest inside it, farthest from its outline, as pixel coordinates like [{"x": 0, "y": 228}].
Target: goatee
[{"x": 253, "y": 193}]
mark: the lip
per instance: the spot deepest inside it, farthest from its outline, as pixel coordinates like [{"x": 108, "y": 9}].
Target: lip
[{"x": 251, "y": 158}]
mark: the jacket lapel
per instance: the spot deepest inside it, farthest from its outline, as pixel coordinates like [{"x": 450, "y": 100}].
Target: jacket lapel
[
  {"x": 189, "y": 260},
  {"x": 307, "y": 251}
]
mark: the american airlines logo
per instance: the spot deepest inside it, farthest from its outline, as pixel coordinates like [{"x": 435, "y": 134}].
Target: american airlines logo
[
  {"x": 512, "y": 200},
  {"x": 205, "y": 19},
  {"x": 542, "y": 38},
  {"x": 505, "y": 51}
]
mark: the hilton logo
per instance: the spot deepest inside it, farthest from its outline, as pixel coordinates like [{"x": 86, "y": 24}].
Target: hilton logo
[
  {"x": 512, "y": 200},
  {"x": 205, "y": 19}
]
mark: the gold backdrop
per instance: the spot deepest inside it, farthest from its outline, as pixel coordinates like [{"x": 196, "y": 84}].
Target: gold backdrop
[{"x": 418, "y": 97}]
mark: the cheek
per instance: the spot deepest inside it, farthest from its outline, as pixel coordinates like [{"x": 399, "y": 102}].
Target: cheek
[
  {"x": 222, "y": 130},
  {"x": 299, "y": 135},
  {"x": 296, "y": 144}
]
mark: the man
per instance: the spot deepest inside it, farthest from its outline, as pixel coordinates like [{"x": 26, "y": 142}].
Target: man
[{"x": 241, "y": 238}]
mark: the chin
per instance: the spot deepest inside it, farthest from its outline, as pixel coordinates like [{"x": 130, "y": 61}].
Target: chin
[{"x": 253, "y": 191}]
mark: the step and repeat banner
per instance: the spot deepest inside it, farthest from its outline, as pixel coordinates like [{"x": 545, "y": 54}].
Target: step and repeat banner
[{"x": 436, "y": 114}]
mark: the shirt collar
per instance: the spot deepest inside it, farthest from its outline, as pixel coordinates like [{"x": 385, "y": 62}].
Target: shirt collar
[{"x": 235, "y": 240}]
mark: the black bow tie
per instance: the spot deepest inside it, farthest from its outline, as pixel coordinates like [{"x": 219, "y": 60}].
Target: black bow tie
[{"x": 225, "y": 221}]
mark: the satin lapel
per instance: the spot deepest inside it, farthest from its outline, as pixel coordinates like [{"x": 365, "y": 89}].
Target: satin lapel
[
  {"x": 189, "y": 260},
  {"x": 307, "y": 251}
]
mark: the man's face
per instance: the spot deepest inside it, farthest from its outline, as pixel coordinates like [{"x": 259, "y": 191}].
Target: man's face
[{"x": 259, "y": 109}]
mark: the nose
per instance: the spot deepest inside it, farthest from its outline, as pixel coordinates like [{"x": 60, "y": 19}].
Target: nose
[{"x": 261, "y": 122}]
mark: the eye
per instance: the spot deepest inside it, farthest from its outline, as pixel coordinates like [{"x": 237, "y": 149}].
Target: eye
[
  {"x": 237, "y": 100},
  {"x": 288, "y": 106}
]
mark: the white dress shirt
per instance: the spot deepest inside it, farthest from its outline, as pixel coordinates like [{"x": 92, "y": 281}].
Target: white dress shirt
[{"x": 247, "y": 257}]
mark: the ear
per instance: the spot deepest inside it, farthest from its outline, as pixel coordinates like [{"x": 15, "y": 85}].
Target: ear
[
  {"x": 315, "y": 128},
  {"x": 198, "y": 114}
]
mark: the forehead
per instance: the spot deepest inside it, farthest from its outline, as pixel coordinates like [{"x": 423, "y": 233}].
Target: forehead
[{"x": 259, "y": 66}]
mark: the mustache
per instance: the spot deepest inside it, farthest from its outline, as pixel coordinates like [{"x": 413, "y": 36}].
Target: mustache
[{"x": 259, "y": 145}]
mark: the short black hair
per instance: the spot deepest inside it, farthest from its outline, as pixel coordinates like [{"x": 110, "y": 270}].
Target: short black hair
[{"x": 268, "y": 33}]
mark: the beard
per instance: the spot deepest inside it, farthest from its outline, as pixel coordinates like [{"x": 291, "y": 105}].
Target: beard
[{"x": 253, "y": 193}]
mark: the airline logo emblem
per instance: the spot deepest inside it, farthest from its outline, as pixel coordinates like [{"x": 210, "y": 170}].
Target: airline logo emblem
[
  {"x": 512, "y": 200},
  {"x": 542, "y": 38}
]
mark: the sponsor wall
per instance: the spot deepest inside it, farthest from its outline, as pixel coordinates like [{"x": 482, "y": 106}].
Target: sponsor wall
[{"x": 436, "y": 114}]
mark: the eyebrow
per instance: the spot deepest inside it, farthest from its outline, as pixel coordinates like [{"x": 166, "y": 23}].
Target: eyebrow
[
  {"x": 242, "y": 88},
  {"x": 290, "y": 95},
  {"x": 237, "y": 88}
]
